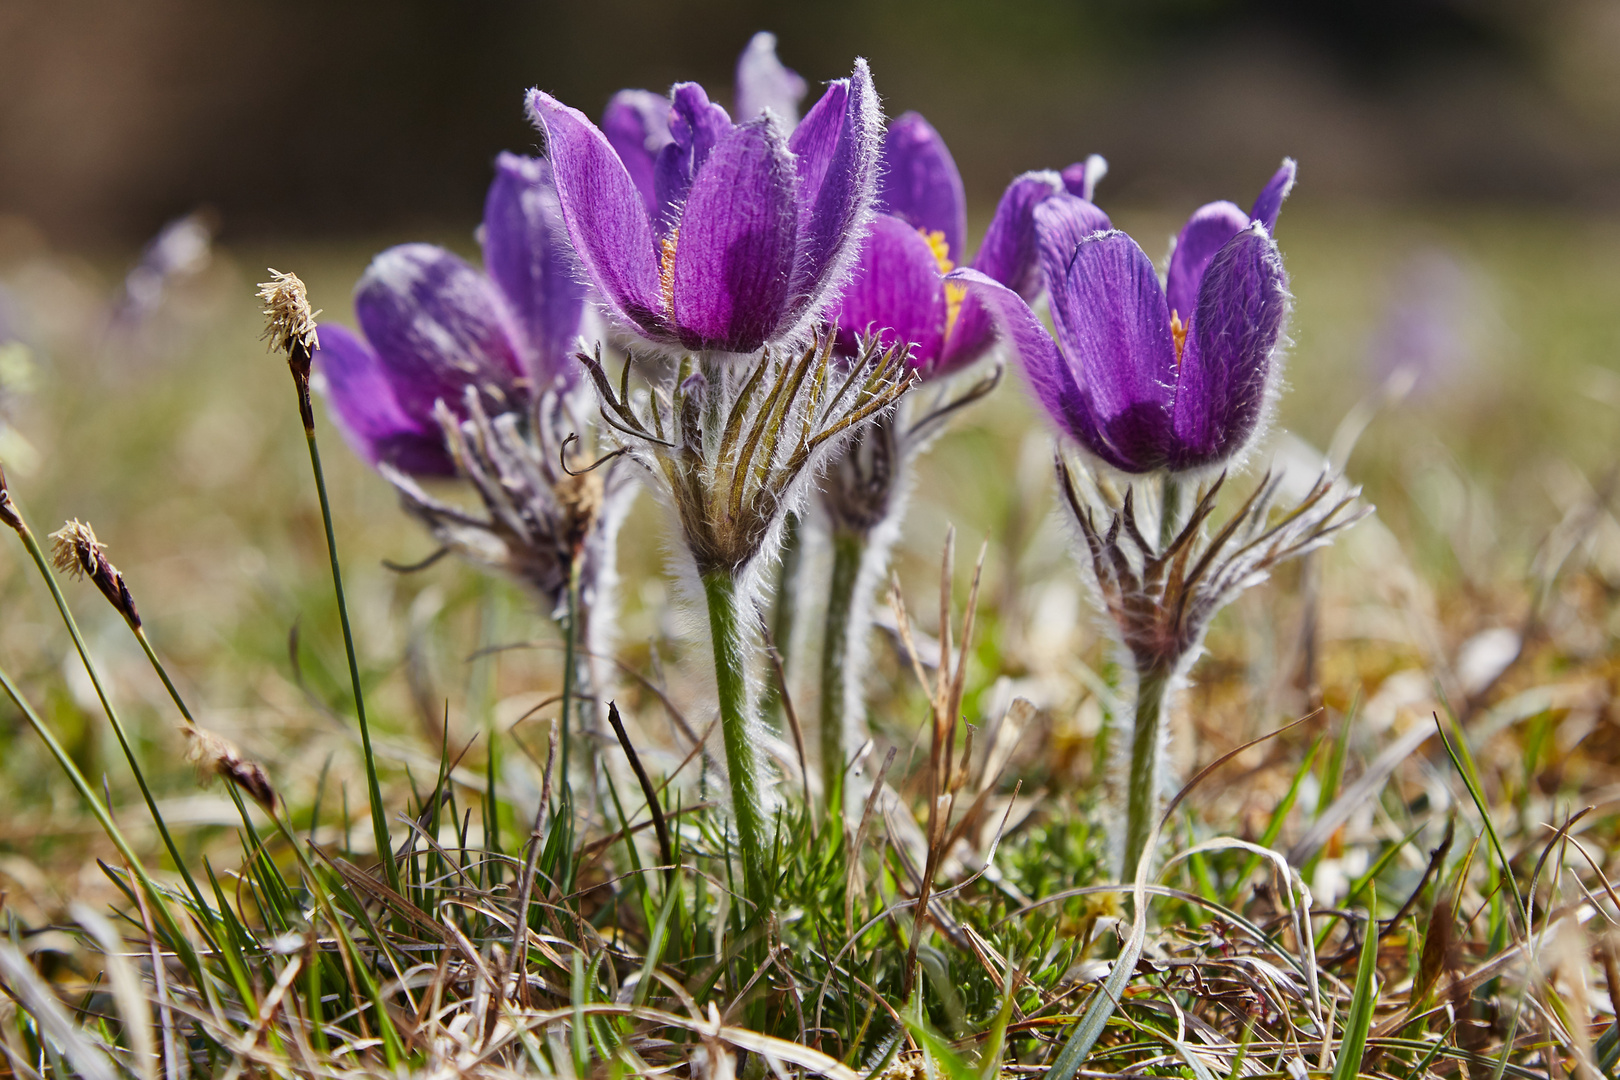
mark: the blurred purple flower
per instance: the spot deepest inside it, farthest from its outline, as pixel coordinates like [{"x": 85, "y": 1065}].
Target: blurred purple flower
[
  {"x": 1422, "y": 341},
  {"x": 1210, "y": 228},
  {"x": 1134, "y": 385},
  {"x": 701, "y": 233},
  {"x": 435, "y": 326},
  {"x": 899, "y": 290},
  {"x": 181, "y": 249}
]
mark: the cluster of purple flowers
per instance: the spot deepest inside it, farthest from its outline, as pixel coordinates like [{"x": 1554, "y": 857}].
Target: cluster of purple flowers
[
  {"x": 743, "y": 261},
  {"x": 692, "y": 231}
]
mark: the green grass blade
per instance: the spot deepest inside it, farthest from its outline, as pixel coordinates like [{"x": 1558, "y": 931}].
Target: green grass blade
[{"x": 1358, "y": 1021}]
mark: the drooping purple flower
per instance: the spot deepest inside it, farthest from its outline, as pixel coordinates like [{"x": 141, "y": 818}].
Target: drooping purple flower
[
  {"x": 899, "y": 290},
  {"x": 743, "y": 233},
  {"x": 1131, "y": 383},
  {"x": 1209, "y": 229},
  {"x": 434, "y": 326}
]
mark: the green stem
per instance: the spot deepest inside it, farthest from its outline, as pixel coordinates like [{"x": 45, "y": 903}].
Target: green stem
[
  {"x": 1144, "y": 783},
  {"x": 564, "y": 814},
  {"x": 44, "y": 566},
  {"x": 786, "y": 609},
  {"x": 379, "y": 816},
  {"x": 1169, "y": 511},
  {"x": 849, "y": 548},
  {"x": 726, "y": 624}
]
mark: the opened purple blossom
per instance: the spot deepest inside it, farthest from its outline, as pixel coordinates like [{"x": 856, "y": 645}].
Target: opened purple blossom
[
  {"x": 899, "y": 290},
  {"x": 433, "y": 326},
  {"x": 1131, "y": 383},
  {"x": 739, "y": 234},
  {"x": 1209, "y": 229}
]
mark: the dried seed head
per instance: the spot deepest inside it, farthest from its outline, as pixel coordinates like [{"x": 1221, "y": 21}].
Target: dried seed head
[
  {"x": 290, "y": 324},
  {"x": 215, "y": 755},
  {"x": 8, "y": 510},
  {"x": 75, "y": 551}
]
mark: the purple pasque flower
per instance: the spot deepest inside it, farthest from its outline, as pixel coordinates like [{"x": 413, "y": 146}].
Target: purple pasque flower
[
  {"x": 738, "y": 235},
  {"x": 1134, "y": 385},
  {"x": 433, "y": 326},
  {"x": 899, "y": 290},
  {"x": 1210, "y": 228},
  {"x": 638, "y": 122}
]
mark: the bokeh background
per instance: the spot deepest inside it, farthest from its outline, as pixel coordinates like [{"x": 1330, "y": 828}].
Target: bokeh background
[
  {"x": 1455, "y": 235},
  {"x": 315, "y": 117}
]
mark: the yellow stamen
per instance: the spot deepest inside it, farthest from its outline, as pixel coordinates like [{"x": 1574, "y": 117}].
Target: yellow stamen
[
  {"x": 954, "y": 293},
  {"x": 666, "y": 271},
  {"x": 1178, "y": 331}
]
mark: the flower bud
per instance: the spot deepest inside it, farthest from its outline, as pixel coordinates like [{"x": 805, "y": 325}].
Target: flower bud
[{"x": 8, "y": 510}]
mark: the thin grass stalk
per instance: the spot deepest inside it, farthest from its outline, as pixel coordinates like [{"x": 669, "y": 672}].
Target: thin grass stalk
[
  {"x": 104, "y": 817},
  {"x": 379, "y": 815},
  {"x": 728, "y": 625},
  {"x": 839, "y": 637},
  {"x": 44, "y": 566}
]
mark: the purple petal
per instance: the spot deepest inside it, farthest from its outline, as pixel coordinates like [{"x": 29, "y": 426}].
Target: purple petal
[
  {"x": 735, "y": 251},
  {"x": 1061, "y": 222},
  {"x": 607, "y": 219},
  {"x": 1008, "y": 253},
  {"x": 837, "y": 149},
  {"x": 1114, "y": 329},
  {"x": 696, "y": 124},
  {"x": 1225, "y": 369},
  {"x": 636, "y": 124},
  {"x": 1205, "y": 233},
  {"x": 763, "y": 83},
  {"x": 526, "y": 251},
  {"x": 896, "y": 292},
  {"x": 920, "y": 183},
  {"x": 368, "y": 413},
  {"x": 439, "y": 326},
  {"x": 1050, "y": 375},
  {"x": 1081, "y": 178},
  {"x": 1272, "y": 195}
]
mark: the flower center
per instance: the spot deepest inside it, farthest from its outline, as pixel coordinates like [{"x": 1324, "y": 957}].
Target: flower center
[
  {"x": 666, "y": 271},
  {"x": 954, "y": 293},
  {"x": 1178, "y": 331}
]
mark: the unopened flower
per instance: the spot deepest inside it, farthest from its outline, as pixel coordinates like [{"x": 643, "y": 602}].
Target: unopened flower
[
  {"x": 215, "y": 755},
  {"x": 741, "y": 234},
  {"x": 434, "y": 326},
  {"x": 1135, "y": 385},
  {"x": 76, "y": 551}
]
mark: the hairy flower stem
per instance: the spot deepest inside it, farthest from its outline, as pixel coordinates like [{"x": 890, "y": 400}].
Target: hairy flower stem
[
  {"x": 727, "y": 624},
  {"x": 787, "y": 582},
  {"x": 379, "y": 816},
  {"x": 839, "y": 637},
  {"x": 1145, "y": 779}
]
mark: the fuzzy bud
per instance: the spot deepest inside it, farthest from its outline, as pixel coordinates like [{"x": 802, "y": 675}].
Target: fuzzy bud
[
  {"x": 75, "y": 551},
  {"x": 215, "y": 755},
  {"x": 8, "y": 510}
]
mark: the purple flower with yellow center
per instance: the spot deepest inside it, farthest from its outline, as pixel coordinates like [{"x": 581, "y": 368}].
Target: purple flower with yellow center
[
  {"x": 1134, "y": 382},
  {"x": 435, "y": 326},
  {"x": 728, "y": 236},
  {"x": 899, "y": 290}
]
